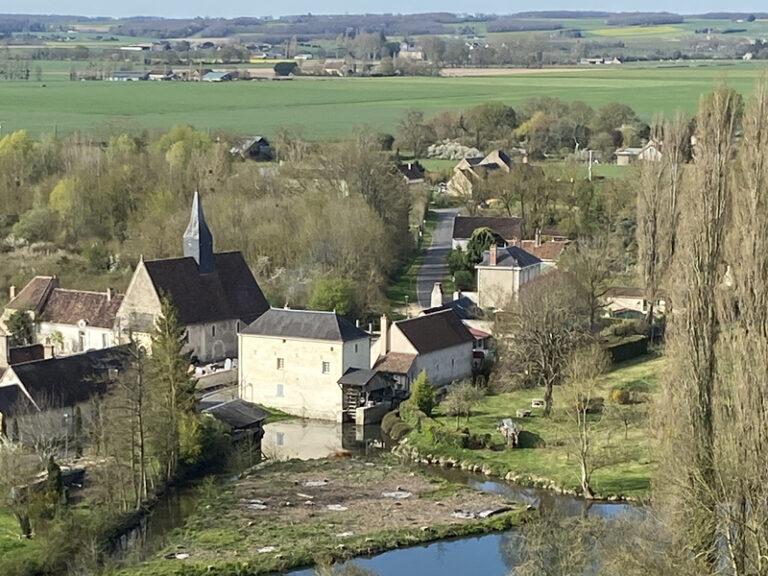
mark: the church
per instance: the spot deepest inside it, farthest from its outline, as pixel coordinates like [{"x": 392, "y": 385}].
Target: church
[{"x": 215, "y": 294}]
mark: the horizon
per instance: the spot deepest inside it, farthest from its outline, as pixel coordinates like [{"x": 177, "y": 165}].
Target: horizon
[{"x": 238, "y": 9}]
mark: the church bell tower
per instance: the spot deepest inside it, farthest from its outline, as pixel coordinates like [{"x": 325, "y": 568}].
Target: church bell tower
[{"x": 198, "y": 240}]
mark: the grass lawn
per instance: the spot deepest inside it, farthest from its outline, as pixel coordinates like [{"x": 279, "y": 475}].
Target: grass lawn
[
  {"x": 628, "y": 474},
  {"x": 323, "y": 108}
]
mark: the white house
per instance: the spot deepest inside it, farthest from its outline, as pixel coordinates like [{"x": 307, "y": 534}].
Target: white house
[
  {"x": 438, "y": 343},
  {"x": 501, "y": 274},
  {"x": 293, "y": 360},
  {"x": 71, "y": 321},
  {"x": 650, "y": 151}
]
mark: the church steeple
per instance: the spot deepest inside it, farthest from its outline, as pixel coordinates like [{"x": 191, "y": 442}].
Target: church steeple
[{"x": 198, "y": 240}]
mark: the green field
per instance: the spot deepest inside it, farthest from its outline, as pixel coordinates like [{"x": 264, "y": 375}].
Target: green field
[{"x": 331, "y": 107}]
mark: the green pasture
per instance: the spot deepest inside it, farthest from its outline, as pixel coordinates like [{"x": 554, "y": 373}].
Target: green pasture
[{"x": 328, "y": 108}]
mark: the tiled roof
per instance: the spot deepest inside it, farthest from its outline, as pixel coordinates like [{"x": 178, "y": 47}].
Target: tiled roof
[
  {"x": 436, "y": 331},
  {"x": 395, "y": 363},
  {"x": 71, "y": 306},
  {"x": 33, "y": 295},
  {"x": 308, "y": 324},
  {"x": 510, "y": 257},
  {"x": 550, "y": 250},
  {"x": 229, "y": 292}
]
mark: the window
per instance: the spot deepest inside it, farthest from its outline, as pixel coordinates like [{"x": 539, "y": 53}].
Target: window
[
  {"x": 104, "y": 340},
  {"x": 279, "y": 438},
  {"x": 213, "y": 330},
  {"x": 280, "y": 363},
  {"x": 237, "y": 325},
  {"x": 280, "y": 391},
  {"x": 355, "y": 348},
  {"x": 326, "y": 367}
]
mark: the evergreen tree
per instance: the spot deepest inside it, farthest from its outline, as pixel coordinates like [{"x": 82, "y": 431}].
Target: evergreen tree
[
  {"x": 423, "y": 394},
  {"x": 20, "y": 328}
]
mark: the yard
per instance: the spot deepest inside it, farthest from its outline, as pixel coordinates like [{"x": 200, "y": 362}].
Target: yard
[
  {"x": 330, "y": 108},
  {"x": 544, "y": 453}
]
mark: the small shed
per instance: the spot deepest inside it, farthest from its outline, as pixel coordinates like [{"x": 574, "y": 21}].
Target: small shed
[
  {"x": 244, "y": 419},
  {"x": 252, "y": 148}
]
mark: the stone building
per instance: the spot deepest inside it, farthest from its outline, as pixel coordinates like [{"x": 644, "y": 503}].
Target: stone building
[
  {"x": 70, "y": 321},
  {"x": 501, "y": 274},
  {"x": 215, "y": 294},
  {"x": 293, "y": 360}
]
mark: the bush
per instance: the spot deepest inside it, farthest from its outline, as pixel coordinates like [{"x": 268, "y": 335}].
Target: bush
[
  {"x": 389, "y": 420},
  {"x": 621, "y": 396},
  {"x": 399, "y": 431},
  {"x": 464, "y": 280},
  {"x": 285, "y": 68}
]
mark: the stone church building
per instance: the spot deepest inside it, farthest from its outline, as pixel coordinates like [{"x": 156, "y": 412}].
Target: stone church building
[{"x": 215, "y": 294}]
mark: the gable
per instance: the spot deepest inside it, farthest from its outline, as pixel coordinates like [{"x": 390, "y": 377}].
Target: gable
[{"x": 141, "y": 303}]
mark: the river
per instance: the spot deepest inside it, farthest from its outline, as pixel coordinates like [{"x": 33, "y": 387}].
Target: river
[{"x": 487, "y": 555}]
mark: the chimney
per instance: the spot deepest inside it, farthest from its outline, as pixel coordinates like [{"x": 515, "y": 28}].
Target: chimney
[
  {"x": 48, "y": 352},
  {"x": 12, "y": 292},
  {"x": 537, "y": 237},
  {"x": 492, "y": 252},
  {"x": 384, "y": 346},
  {"x": 457, "y": 295},
  {"x": 110, "y": 294},
  {"x": 437, "y": 295},
  {"x": 357, "y": 323}
]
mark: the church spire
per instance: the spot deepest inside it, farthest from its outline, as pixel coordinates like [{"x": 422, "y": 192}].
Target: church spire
[{"x": 198, "y": 240}]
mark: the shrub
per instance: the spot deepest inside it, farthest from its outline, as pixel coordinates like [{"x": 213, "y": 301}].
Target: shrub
[
  {"x": 621, "y": 396},
  {"x": 399, "y": 431},
  {"x": 389, "y": 420},
  {"x": 285, "y": 68},
  {"x": 464, "y": 280}
]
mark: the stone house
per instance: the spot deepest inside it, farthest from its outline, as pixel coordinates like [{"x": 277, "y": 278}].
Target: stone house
[
  {"x": 650, "y": 151},
  {"x": 252, "y": 148},
  {"x": 42, "y": 395},
  {"x": 215, "y": 294},
  {"x": 501, "y": 274},
  {"x": 471, "y": 170},
  {"x": 293, "y": 360},
  {"x": 70, "y": 321},
  {"x": 628, "y": 302},
  {"x": 438, "y": 343},
  {"x": 549, "y": 251}
]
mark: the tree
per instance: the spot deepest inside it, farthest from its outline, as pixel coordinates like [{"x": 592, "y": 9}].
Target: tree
[
  {"x": 20, "y": 328},
  {"x": 592, "y": 263},
  {"x": 18, "y": 472},
  {"x": 480, "y": 241},
  {"x": 414, "y": 134},
  {"x": 423, "y": 393},
  {"x": 336, "y": 294},
  {"x": 172, "y": 389},
  {"x": 461, "y": 398},
  {"x": 536, "y": 336},
  {"x": 489, "y": 122},
  {"x": 580, "y": 402}
]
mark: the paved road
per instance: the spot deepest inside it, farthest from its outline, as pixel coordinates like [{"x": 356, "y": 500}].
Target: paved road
[{"x": 435, "y": 267}]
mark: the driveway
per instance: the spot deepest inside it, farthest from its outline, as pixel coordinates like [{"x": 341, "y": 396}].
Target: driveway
[{"x": 434, "y": 267}]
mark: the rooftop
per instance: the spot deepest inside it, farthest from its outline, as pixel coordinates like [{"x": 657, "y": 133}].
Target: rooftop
[
  {"x": 435, "y": 331},
  {"x": 510, "y": 257},
  {"x": 305, "y": 324}
]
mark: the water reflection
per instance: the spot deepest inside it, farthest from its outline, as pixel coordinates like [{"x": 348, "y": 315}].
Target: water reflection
[{"x": 311, "y": 439}]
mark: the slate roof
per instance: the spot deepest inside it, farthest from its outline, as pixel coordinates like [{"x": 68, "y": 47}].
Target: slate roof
[
  {"x": 367, "y": 380},
  {"x": 435, "y": 331},
  {"x": 507, "y": 228},
  {"x": 63, "y": 306},
  {"x": 510, "y": 257},
  {"x": 550, "y": 250},
  {"x": 463, "y": 307},
  {"x": 229, "y": 292},
  {"x": 238, "y": 413},
  {"x": 412, "y": 171},
  {"x": 395, "y": 363},
  {"x": 309, "y": 324},
  {"x": 64, "y": 381}
]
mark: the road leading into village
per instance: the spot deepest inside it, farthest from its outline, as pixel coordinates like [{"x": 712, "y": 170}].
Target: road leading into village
[{"x": 435, "y": 267}]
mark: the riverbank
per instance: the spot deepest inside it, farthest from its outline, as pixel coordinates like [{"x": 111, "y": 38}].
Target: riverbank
[
  {"x": 299, "y": 513},
  {"x": 544, "y": 458}
]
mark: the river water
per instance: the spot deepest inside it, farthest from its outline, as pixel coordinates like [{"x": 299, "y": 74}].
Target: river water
[{"x": 484, "y": 555}]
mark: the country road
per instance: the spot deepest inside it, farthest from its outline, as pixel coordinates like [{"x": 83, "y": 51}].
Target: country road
[{"x": 434, "y": 267}]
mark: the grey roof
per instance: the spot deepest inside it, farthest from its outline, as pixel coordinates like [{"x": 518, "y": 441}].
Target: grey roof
[
  {"x": 436, "y": 331},
  {"x": 511, "y": 257},
  {"x": 309, "y": 324},
  {"x": 238, "y": 413},
  {"x": 464, "y": 308},
  {"x": 368, "y": 380}
]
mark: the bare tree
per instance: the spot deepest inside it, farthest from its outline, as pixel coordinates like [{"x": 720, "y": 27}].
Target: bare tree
[
  {"x": 538, "y": 333},
  {"x": 17, "y": 470},
  {"x": 583, "y": 407}
]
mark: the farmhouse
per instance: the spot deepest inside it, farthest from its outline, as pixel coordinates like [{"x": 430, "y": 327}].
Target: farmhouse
[
  {"x": 470, "y": 170},
  {"x": 293, "y": 360},
  {"x": 55, "y": 387},
  {"x": 501, "y": 274},
  {"x": 651, "y": 151},
  {"x": 71, "y": 321},
  {"x": 215, "y": 294},
  {"x": 437, "y": 343}
]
